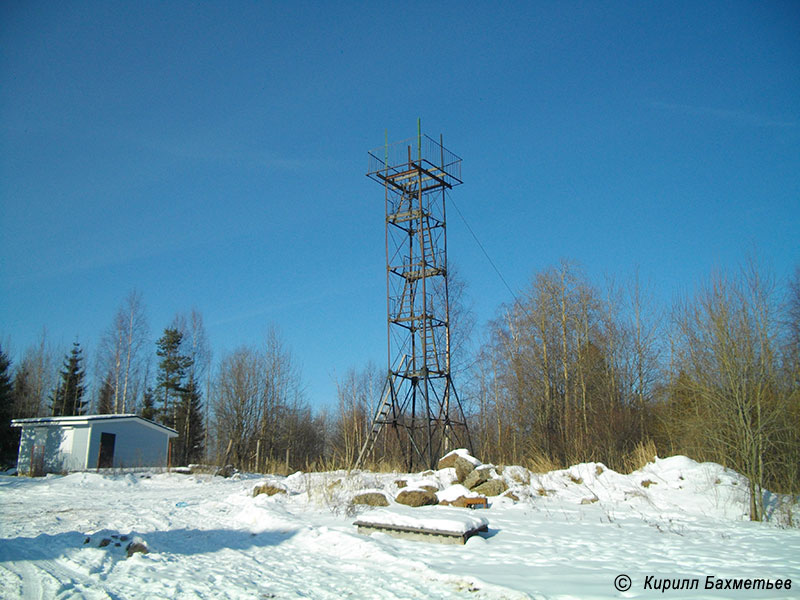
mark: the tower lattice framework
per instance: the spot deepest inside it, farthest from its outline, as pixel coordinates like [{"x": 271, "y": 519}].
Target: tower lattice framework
[{"x": 419, "y": 401}]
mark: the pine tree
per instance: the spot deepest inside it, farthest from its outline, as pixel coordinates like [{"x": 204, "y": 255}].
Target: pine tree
[
  {"x": 171, "y": 374},
  {"x": 105, "y": 398},
  {"x": 189, "y": 424},
  {"x": 9, "y": 437},
  {"x": 67, "y": 399},
  {"x": 148, "y": 407}
]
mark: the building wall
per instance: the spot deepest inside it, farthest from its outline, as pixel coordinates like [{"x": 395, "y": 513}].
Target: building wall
[
  {"x": 136, "y": 444},
  {"x": 51, "y": 449},
  {"x": 58, "y": 448},
  {"x": 26, "y": 442},
  {"x": 80, "y": 441}
]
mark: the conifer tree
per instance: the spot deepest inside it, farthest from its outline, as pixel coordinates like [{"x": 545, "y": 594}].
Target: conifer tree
[
  {"x": 105, "y": 398},
  {"x": 148, "y": 406},
  {"x": 189, "y": 424},
  {"x": 9, "y": 437},
  {"x": 171, "y": 373},
  {"x": 67, "y": 399},
  {"x": 21, "y": 392}
]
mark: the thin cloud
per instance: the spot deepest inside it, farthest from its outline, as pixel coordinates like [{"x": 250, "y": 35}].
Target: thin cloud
[{"x": 724, "y": 114}]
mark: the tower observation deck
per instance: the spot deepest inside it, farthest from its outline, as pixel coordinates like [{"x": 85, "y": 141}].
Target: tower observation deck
[{"x": 419, "y": 407}]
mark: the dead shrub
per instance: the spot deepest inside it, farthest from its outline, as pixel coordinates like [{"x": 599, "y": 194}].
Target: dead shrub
[{"x": 644, "y": 453}]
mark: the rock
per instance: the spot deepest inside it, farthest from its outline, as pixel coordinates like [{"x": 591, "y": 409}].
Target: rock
[
  {"x": 136, "y": 547},
  {"x": 463, "y": 468},
  {"x": 268, "y": 489},
  {"x": 511, "y": 496},
  {"x": 449, "y": 459},
  {"x": 476, "y": 477},
  {"x": 430, "y": 488},
  {"x": 401, "y": 483},
  {"x": 416, "y": 498},
  {"x": 104, "y": 542},
  {"x": 226, "y": 471},
  {"x": 590, "y": 500},
  {"x": 492, "y": 487},
  {"x": 463, "y": 501},
  {"x": 371, "y": 499}
]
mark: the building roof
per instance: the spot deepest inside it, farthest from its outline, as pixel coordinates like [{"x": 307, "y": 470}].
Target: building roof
[{"x": 85, "y": 419}]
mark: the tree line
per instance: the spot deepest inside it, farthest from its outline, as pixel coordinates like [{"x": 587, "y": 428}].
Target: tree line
[
  {"x": 570, "y": 371},
  {"x": 575, "y": 372}
]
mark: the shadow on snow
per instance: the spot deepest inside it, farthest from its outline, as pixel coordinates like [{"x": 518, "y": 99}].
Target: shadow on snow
[{"x": 185, "y": 542}]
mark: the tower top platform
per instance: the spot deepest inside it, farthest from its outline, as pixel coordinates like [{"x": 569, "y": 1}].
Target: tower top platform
[{"x": 401, "y": 161}]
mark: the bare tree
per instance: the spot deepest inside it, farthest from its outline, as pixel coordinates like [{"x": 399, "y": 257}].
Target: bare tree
[
  {"x": 283, "y": 393},
  {"x": 195, "y": 342},
  {"x": 238, "y": 391},
  {"x": 259, "y": 407},
  {"x": 35, "y": 378},
  {"x": 557, "y": 374},
  {"x": 357, "y": 393},
  {"x": 121, "y": 352},
  {"x": 727, "y": 357}
]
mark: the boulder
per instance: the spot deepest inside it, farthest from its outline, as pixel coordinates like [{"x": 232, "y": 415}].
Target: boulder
[
  {"x": 416, "y": 497},
  {"x": 463, "y": 501},
  {"x": 463, "y": 468},
  {"x": 476, "y": 477},
  {"x": 449, "y": 459},
  {"x": 401, "y": 483},
  {"x": 136, "y": 547},
  {"x": 268, "y": 489},
  {"x": 492, "y": 487},
  {"x": 226, "y": 471},
  {"x": 371, "y": 499}
]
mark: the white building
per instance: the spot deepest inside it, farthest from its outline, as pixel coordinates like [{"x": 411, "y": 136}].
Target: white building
[{"x": 62, "y": 444}]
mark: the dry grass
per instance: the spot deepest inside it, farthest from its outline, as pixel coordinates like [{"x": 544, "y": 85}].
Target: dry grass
[
  {"x": 644, "y": 453},
  {"x": 539, "y": 463}
]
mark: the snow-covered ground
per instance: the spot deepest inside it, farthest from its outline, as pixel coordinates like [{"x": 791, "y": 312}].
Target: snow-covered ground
[{"x": 572, "y": 534}]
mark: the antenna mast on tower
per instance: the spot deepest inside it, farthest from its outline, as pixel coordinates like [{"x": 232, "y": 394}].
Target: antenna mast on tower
[{"x": 419, "y": 401}]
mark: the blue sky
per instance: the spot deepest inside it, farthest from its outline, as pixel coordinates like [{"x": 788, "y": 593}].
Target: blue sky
[{"x": 212, "y": 155}]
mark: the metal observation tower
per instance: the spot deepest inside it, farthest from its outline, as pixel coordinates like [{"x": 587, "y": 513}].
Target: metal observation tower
[{"x": 419, "y": 402}]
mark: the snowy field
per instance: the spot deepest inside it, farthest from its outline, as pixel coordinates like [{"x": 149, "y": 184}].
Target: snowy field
[{"x": 572, "y": 534}]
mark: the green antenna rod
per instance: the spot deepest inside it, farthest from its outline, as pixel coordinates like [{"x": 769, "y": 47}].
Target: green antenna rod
[{"x": 419, "y": 140}]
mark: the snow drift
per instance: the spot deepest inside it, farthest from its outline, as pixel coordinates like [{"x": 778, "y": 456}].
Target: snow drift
[{"x": 572, "y": 533}]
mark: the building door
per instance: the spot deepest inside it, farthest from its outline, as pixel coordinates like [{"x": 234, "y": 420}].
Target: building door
[{"x": 105, "y": 458}]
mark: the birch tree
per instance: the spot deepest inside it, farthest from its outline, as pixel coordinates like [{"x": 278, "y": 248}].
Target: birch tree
[{"x": 121, "y": 352}]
